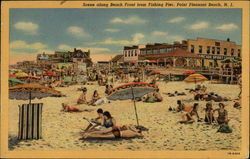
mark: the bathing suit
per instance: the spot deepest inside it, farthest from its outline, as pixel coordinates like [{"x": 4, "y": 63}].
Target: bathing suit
[
  {"x": 73, "y": 109},
  {"x": 108, "y": 124},
  {"x": 116, "y": 132}
]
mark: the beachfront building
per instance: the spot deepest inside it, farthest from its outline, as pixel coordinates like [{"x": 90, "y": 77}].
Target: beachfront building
[
  {"x": 161, "y": 48},
  {"x": 79, "y": 56},
  {"x": 131, "y": 54},
  {"x": 117, "y": 60},
  {"x": 175, "y": 57},
  {"x": 214, "y": 52}
]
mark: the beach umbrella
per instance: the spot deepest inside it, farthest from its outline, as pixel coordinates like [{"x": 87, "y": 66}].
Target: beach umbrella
[
  {"x": 188, "y": 72},
  {"x": 21, "y": 74},
  {"x": 132, "y": 91},
  {"x": 12, "y": 75},
  {"x": 152, "y": 61},
  {"x": 14, "y": 81},
  {"x": 50, "y": 73},
  {"x": 29, "y": 77},
  {"x": 32, "y": 91},
  {"x": 194, "y": 78}
]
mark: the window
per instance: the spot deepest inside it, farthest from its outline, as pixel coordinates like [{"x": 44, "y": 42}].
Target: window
[
  {"x": 208, "y": 49},
  {"x": 218, "y": 50},
  {"x": 135, "y": 52},
  {"x": 132, "y": 52},
  {"x": 128, "y": 53},
  {"x": 169, "y": 49},
  {"x": 200, "y": 49},
  {"x": 192, "y": 49},
  {"x": 225, "y": 51},
  {"x": 149, "y": 51},
  {"x": 213, "y": 50},
  {"x": 143, "y": 51},
  {"x": 239, "y": 52},
  {"x": 232, "y": 52},
  {"x": 155, "y": 51},
  {"x": 162, "y": 50},
  {"x": 217, "y": 43},
  {"x": 184, "y": 47},
  {"x": 125, "y": 53}
]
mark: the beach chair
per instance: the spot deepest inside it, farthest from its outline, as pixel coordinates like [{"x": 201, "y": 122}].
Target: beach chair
[{"x": 30, "y": 121}]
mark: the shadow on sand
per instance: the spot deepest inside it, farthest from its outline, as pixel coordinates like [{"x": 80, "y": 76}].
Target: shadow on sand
[{"x": 12, "y": 142}]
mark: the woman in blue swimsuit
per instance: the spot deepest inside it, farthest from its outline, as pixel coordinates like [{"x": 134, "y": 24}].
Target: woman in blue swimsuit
[{"x": 109, "y": 121}]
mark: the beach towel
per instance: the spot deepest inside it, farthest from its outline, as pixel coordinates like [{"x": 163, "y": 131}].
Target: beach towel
[
  {"x": 101, "y": 101},
  {"x": 224, "y": 129}
]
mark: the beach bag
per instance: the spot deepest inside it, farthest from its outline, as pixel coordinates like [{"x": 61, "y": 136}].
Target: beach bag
[{"x": 224, "y": 129}]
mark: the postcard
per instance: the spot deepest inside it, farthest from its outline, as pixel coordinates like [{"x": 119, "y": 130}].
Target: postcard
[{"x": 124, "y": 79}]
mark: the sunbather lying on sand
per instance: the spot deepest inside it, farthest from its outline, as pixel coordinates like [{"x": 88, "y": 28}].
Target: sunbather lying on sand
[
  {"x": 68, "y": 108},
  {"x": 125, "y": 131},
  {"x": 154, "y": 97}
]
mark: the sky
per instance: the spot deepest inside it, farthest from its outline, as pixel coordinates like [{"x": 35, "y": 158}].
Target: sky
[{"x": 105, "y": 31}]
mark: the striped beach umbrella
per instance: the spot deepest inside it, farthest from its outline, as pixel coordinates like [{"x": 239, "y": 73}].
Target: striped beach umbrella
[
  {"x": 194, "y": 78},
  {"x": 32, "y": 91}
]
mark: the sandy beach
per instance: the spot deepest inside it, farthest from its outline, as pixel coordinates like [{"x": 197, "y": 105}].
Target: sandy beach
[{"x": 61, "y": 130}]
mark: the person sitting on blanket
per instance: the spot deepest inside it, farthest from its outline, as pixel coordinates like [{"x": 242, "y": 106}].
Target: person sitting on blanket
[
  {"x": 188, "y": 117},
  {"x": 94, "y": 123},
  {"x": 125, "y": 131},
  {"x": 82, "y": 99}
]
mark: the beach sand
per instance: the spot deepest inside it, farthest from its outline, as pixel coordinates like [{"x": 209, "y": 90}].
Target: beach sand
[{"x": 61, "y": 130}]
